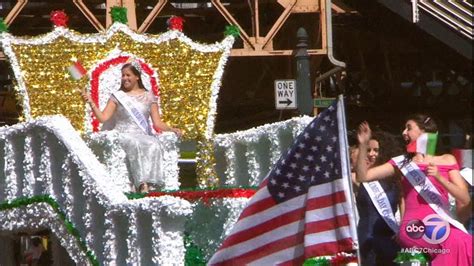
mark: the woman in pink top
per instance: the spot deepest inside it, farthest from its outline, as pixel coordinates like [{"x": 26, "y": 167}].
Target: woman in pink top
[{"x": 446, "y": 245}]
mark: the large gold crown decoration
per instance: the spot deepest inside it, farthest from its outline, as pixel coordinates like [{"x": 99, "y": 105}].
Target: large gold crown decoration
[{"x": 186, "y": 75}]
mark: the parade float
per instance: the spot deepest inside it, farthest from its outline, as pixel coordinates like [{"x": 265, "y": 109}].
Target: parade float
[{"x": 67, "y": 182}]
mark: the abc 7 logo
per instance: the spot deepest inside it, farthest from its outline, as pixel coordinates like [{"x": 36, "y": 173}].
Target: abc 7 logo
[{"x": 433, "y": 229}]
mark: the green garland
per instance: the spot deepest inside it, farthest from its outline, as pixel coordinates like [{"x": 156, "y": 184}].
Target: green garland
[
  {"x": 317, "y": 262},
  {"x": 423, "y": 258},
  {"x": 119, "y": 14},
  {"x": 232, "y": 30},
  {"x": 71, "y": 229},
  {"x": 3, "y": 26},
  {"x": 194, "y": 255}
]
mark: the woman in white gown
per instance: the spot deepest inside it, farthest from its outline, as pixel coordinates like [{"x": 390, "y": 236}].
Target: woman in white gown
[{"x": 131, "y": 107}]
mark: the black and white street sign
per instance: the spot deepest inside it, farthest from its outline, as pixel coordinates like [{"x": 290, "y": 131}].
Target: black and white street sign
[{"x": 285, "y": 94}]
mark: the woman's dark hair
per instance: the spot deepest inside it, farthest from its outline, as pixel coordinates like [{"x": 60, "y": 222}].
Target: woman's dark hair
[
  {"x": 424, "y": 122},
  {"x": 389, "y": 146},
  {"x": 136, "y": 72}
]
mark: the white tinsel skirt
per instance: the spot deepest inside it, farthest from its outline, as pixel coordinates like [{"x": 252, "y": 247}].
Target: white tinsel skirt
[{"x": 144, "y": 157}]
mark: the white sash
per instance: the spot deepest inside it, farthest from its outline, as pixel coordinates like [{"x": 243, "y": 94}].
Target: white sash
[
  {"x": 381, "y": 203},
  {"x": 466, "y": 173},
  {"x": 133, "y": 111},
  {"x": 427, "y": 190}
]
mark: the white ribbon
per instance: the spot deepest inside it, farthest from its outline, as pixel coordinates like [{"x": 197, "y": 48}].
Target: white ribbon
[
  {"x": 133, "y": 111},
  {"x": 381, "y": 203},
  {"x": 427, "y": 190}
]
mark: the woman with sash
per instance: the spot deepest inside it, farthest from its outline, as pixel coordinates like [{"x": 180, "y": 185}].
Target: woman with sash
[
  {"x": 130, "y": 109},
  {"x": 426, "y": 224},
  {"x": 377, "y": 203}
]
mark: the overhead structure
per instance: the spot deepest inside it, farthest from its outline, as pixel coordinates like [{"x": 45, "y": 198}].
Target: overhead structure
[
  {"x": 258, "y": 39},
  {"x": 451, "y": 22}
]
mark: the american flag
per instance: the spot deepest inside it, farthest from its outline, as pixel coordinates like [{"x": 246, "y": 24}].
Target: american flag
[{"x": 300, "y": 210}]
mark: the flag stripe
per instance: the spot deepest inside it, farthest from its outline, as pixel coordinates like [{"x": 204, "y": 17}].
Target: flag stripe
[
  {"x": 267, "y": 249},
  {"x": 281, "y": 257},
  {"x": 421, "y": 143},
  {"x": 268, "y": 214},
  {"x": 425, "y": 143},
  {"x": 264, "y": 183},
  {"x": 328, "y": 224},
  {"x": 292, "y": 216},
  {"x": 328, "y": 236},
  {"x": 289, "y": 217},
  {"x": 262, "y": 228},
  {"x": 325, "y": 201},
  {"x": 80, "y": 68},
  {"x": 291, "y": 205},
  {"x": 325, "y": 213},
  {"x": 298, "y": 261},
  {"x": 259, "y": 195},
  {"x": 258, "y": 206},
  {"x": 326, "y": 188},
  {"x": 432, "y": 141},
  {"x": 329, "y": 248},
  {"x": 76, "y": 70},
  {"x": 260, "y": 240}
]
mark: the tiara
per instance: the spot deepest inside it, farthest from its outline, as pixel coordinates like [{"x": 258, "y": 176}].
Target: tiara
[{"x": 135, "y": 63}]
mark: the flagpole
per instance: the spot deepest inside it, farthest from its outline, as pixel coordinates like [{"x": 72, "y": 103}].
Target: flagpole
[{"x": 346, "y": 169}]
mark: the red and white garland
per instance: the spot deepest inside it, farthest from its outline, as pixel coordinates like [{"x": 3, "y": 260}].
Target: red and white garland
[{"x": 116, "y": 61}]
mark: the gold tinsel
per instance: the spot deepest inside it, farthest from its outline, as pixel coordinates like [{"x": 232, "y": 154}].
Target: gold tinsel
[
  {"x": 207, "y": 176},
  {"x": 185, "y": 76}
]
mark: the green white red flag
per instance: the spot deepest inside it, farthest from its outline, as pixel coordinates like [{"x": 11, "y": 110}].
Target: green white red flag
[
  {"x": 425, "y": 144},
  {"x": 76, "y": 70}
]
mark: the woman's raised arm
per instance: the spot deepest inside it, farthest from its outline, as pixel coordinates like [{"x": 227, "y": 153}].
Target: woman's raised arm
[
  {"x": 363, "y": 174},
  {"x": 104, "y": 115}
]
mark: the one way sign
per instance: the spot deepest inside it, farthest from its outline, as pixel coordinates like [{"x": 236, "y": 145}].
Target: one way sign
[{"x": 285, "y": 94}]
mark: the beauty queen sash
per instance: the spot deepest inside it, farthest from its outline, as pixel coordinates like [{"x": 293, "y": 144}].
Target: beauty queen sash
[
  {"x": 381, "y": 203},
  {"x": 133, "y": 111},
  {"x": 427, "y": 190}
]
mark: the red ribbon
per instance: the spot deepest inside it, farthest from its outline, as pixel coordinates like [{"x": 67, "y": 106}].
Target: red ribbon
[
  {"x": 103, "y": 67},
  {"x": 207, "y": 195}
]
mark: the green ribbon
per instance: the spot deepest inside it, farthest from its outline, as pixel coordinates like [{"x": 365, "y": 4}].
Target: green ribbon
[
  {"x": 25, "y": 201},
  {"x": 232, "y": 30},
  {"x": 3, "y": 26},
  {"x": 119, "y": 14}
]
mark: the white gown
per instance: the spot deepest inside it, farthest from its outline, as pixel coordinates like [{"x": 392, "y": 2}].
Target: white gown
[{"x": 144, "y": 152}]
